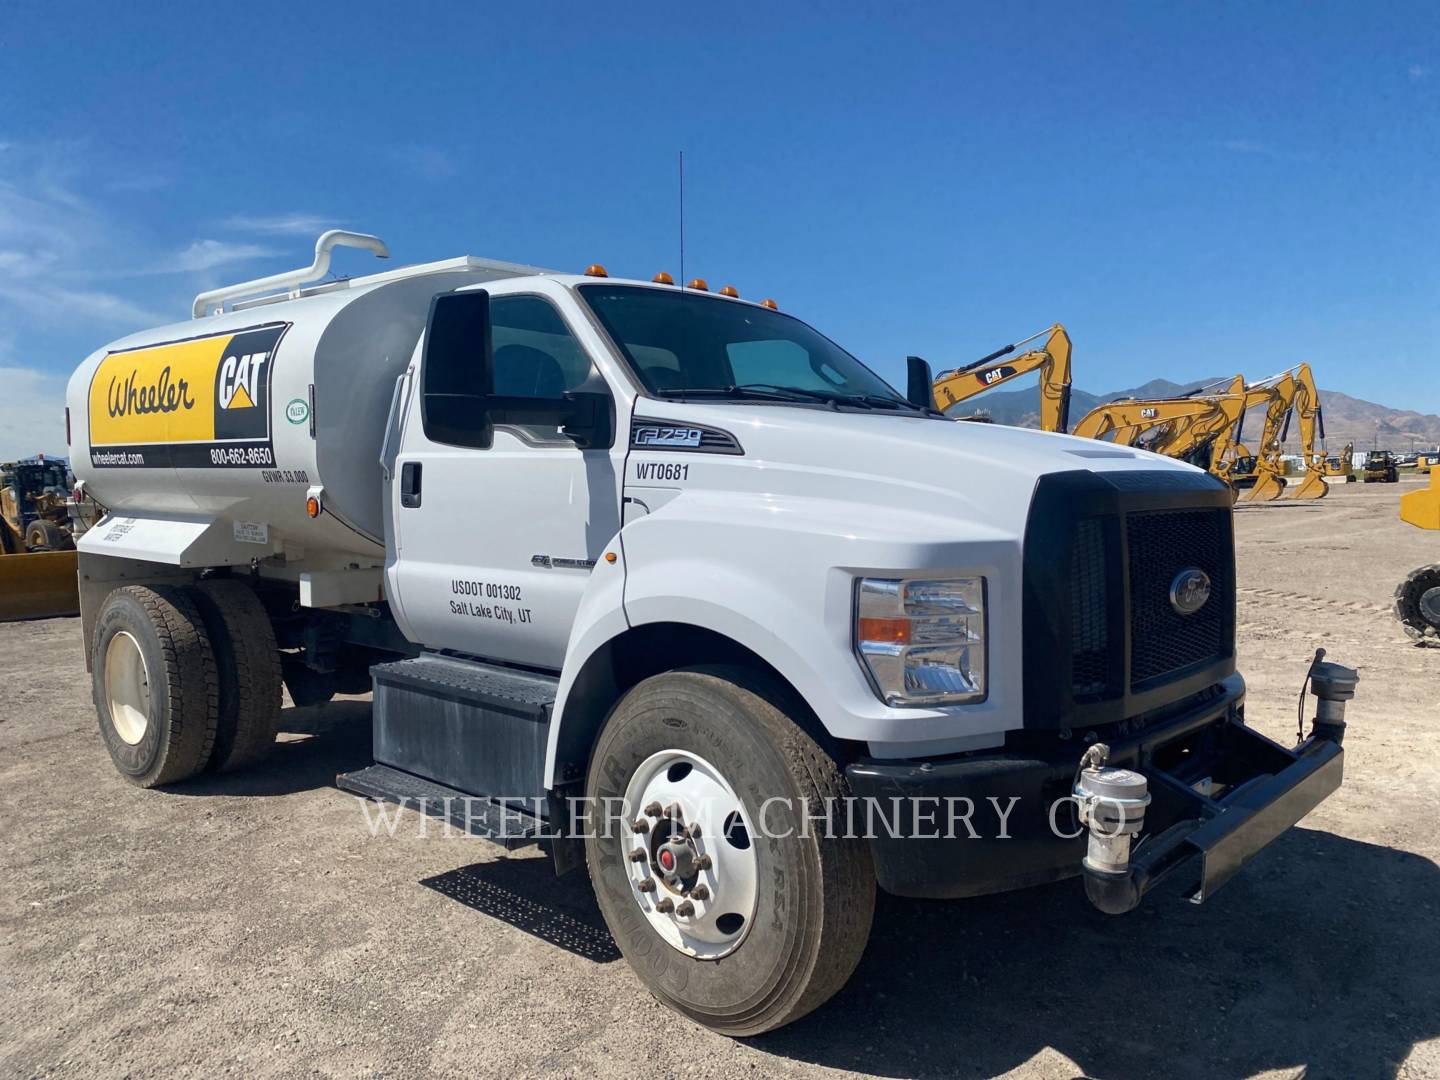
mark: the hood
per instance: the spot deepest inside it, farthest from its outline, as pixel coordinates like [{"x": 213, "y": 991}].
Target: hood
[{"x": 910, "y": 464}]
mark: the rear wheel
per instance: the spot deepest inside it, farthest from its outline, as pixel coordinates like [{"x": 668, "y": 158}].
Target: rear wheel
[
  {"x": 1417, "y": 602},
  {"x": 42, "y": 535},
  {"x": 248, "y": 662},
  {"x": 155, "y": 684},
  {"x": 726, "y": 899}
]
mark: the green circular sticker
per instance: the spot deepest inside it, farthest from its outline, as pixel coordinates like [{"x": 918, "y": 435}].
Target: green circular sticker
[{"x": 297, "y": 412}]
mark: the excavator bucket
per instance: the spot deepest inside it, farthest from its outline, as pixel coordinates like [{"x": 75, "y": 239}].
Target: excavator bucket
[
  {"x": 1268, "y": 486},
  {"x": 1422, "y": 508},
  {"x": 39, "y": 584},
  {"x": 1313, "y": 486}
]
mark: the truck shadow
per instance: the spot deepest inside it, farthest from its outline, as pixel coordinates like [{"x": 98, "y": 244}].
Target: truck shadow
[
  {"x": 504, "y": 889},
  {"x": 333, "y": 738},
  {"x": 1322, "y": 955}
]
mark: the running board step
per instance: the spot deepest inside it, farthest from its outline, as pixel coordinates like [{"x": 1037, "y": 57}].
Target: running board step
[
  {"x": 478, "y": 728},
  {"x": 474, "y": 814}
]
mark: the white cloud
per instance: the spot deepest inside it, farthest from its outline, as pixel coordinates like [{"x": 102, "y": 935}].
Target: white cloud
[
  {"x": 1418, "y": 73},
  {"x": 95, "y": 307},
  {"x": 280, "y": 224},
  {"x": 208, "y": 254},
  {"x": 32, "y": 413}
]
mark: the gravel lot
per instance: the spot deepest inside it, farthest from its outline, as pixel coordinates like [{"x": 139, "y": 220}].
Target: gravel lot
[{"x": 253, "y": 926}]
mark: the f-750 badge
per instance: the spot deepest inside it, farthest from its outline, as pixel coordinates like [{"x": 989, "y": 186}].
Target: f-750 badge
[{"x": 666, "y": 436}]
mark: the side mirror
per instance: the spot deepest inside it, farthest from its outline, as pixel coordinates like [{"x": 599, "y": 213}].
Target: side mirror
[
  {"x": 920, "y": 383},
  {"x": 455, "y": 370},
  {"x": 592, "y": 423}
]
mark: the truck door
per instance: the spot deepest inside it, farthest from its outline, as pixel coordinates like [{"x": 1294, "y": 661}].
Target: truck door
[{"x": 498, "y": 515}]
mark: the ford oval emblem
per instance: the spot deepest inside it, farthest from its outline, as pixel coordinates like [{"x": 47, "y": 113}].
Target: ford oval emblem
[{"x": 1189, "y": 590}]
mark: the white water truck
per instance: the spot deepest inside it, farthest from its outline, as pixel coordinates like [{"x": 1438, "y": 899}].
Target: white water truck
[{"x": 669, "y": 582}]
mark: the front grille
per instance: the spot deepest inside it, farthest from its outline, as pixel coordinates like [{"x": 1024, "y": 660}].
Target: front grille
[
  {"x": 1102, "y": 642},
  {"x": 1161, "y": 545},
  {"x": 1089, "y": 657}
]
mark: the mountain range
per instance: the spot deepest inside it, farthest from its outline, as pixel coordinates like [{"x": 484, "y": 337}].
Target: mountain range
[{"x": 1347, "y": 419}]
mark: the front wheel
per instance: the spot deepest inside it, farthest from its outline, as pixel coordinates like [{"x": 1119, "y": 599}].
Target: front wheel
[{"x": 709, "y": 855}]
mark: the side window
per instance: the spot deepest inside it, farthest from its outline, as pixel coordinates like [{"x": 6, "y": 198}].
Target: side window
[{"x": 534, "y": 353}]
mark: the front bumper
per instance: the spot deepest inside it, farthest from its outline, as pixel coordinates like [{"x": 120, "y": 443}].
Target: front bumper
[{"x": 1220, "y": 793}]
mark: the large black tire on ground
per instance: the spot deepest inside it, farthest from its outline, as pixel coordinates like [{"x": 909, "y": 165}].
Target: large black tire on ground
[
  {"x": 1417, "y": 602},
  {"x": 181, "y": 681},
  {"x": 248, "y": 661},
  {"x": 816, "y": 894},
  {"x": 42, "y": 535}
]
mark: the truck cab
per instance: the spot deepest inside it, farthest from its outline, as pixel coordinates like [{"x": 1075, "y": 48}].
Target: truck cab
[{"x": 666, "y": 580}]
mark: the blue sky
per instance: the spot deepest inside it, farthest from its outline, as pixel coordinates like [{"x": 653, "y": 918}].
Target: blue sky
[{"x": 1194, "y": 189}]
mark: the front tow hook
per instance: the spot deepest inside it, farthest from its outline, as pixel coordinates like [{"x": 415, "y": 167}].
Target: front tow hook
[{"x": 1223, "y": 834}]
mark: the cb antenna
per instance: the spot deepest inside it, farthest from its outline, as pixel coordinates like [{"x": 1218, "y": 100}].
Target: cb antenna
[{"x": 682, "y": 219}]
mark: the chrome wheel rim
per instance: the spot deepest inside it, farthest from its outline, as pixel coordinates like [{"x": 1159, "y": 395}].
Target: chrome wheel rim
[{"x": 127, "y": 687}]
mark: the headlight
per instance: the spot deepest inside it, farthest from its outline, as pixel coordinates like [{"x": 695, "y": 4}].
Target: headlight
[{"x": 922, "y": 640}]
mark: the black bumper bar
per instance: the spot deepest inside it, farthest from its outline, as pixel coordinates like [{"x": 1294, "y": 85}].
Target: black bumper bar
[{"x": 1220, "y": 793}]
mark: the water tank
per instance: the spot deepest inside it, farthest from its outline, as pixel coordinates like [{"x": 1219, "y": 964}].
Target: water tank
[{"x": 235, "y": 417}]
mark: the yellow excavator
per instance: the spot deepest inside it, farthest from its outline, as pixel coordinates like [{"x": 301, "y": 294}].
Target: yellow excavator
[
  {"x": 1183, "y": 427},
  {"x": 1290, "y": 391},
  {"x": 1052, "y": 360}
]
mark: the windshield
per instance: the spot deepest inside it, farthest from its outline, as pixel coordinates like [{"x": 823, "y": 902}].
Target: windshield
[{"x": 686, "y": 345}]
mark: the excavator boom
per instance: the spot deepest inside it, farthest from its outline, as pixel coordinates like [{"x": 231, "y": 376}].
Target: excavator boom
[{"x": 1052, "y": 360}]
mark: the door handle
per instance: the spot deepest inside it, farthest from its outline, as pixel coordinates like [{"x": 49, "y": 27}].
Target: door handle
[{"x": 410, "y": 483}]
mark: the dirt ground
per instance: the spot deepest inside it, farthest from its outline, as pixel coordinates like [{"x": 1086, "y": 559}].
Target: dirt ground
[{"x": 253, "y": 926}]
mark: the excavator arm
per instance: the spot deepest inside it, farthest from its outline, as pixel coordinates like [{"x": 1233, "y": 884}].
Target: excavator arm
[
  {"x": 1306, "y": 405},
  {"x": 1052, "y": 360},
  {"x": 1128, "y": 422},
  {"x": 1278, "y": 395}
]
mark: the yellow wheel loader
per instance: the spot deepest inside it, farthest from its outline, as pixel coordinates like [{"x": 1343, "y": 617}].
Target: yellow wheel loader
[
  {"x": 1052, "y": 361},
  {"x": 37, "y": 551},
  {"x": 1417, "y": 598}
]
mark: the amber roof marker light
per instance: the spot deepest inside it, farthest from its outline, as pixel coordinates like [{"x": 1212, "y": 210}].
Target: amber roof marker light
[
  {"x": 730, "y": 291},
  {"x": 768, "y": 303},
  {"x": 699, "y": 284},
  {"x": 662, "y": 278},
  {"x": 595, "y": 270}
]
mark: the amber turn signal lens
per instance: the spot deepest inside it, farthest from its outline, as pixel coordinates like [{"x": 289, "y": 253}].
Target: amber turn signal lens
[
  {"x": 698, "y": 283},
  {"x": 895, "y": 631},
  {"x": 595, "y": 270},
  {"x": 312, "y": 506},
  {"x": 662, "y": 278},
  {"x": 767, "y": 302},
  {"x": 610, "y": 556}
]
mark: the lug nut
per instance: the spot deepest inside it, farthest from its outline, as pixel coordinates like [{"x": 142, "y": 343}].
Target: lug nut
[
  {"x": 704, "y": 862},
  {"x": 640, "y": 825},
  {"x": 685, "y": 910},
  {"x": 701, "y": 892},
  {"x": 665, "y": 905},
  {"x": 647, "y": 885},
  {"x": 653, "y": 810},
  {"x": 639, "y": 855}
]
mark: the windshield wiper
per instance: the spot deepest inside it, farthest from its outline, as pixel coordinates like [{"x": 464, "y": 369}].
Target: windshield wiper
[{"x": 760, "y": 391}]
